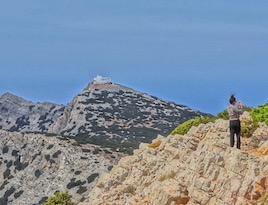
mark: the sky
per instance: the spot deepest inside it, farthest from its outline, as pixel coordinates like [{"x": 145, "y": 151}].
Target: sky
[{"x": 194, "y": 53}]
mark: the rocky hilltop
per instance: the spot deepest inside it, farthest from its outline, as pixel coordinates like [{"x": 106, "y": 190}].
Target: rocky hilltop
[
  {"x": 118, "y": 116},
  {"x": 34, "y": 166},
  {"x": 17, "y": 114},
  {"x": 104, "y": 113},
  {"x": 198, "y": 168}
]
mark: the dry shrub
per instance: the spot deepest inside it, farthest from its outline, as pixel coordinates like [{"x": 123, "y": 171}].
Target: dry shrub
[
  {"x": 154, "y": 144},
  {"x": 171, "y": 175}
]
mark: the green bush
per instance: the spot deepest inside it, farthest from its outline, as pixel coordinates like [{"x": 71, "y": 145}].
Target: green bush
[
  {"x": 248, "y": 127},
  {"x": 260, "y": 113},
  {"x": 185, "y": 127},
  {"x": 60, "y": 198},
  {"x": 223, "y": 115}
]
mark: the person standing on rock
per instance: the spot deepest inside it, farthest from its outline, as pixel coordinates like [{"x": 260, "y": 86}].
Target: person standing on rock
[{"x": 235, "y": 126}]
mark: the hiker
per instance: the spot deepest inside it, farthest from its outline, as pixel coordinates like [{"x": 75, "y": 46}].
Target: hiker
[{"x": 235, "y": 127}]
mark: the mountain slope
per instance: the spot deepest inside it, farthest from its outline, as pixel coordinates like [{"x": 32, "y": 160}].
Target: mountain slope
[
  {"x": 17, "y": 114},
  {"x": 116, "y": 116},
  {"x": 34, "y": 166},
  {"x": 104, "y": 114}
]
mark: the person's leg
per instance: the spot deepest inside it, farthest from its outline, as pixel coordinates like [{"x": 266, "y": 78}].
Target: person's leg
[
  {"x": 232, "y": 131},
  {"x": 238, "y": 133},
  {"x": 238, "y": 143}
]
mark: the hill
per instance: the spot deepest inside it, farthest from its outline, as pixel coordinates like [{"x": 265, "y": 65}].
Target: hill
[
  {"x": 18, "y": 114},
  {"x": 104, "y": 113},
  {"x": 119, "y": 117}
]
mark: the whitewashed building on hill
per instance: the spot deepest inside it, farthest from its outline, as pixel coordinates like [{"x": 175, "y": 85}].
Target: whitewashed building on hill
[{"x": 101, "y": 80}]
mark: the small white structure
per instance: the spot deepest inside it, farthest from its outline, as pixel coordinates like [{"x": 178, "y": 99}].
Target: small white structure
[{"x": 101, "y": 80}]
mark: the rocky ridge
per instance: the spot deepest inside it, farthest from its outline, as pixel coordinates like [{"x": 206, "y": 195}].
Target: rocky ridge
[
  {"x": 198, "y": 168},
  {"x": 34, "y": 166},
  {"x": 104, "y": 113},
  {"x": 18, "y": 114},
  {"x": 119, "y": 116}
]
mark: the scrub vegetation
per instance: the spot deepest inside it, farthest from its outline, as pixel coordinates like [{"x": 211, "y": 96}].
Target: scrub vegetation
[{"x": 258, "y": 115}]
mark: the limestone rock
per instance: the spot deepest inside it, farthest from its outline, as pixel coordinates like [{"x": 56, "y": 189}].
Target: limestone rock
[
  {"x": 104, "y": 113},
  {"x": 17, "y": 114},
  {"x": 197, "y": 168},
  {"x": 34, "y": 166},
  {"x": 121, "y": 116},
  {"x": 259, "y": 136}
]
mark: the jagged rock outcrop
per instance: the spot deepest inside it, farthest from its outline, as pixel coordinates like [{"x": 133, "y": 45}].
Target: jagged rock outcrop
[
  {"x": 119, "y": 116},
  {"x": 259, "y": 136},
  {"x": 193, "y": 169},
  {"x": 17, "y": 114},
  {"x": 34, "y": 166}
]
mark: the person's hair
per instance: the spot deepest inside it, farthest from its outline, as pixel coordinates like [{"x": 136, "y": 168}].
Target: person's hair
[{"x": 232, "y": 99}]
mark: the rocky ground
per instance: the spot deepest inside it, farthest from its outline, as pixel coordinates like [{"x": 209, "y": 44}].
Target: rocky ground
[
  {"x": 199, "y": 168},
  {"x": 34, "y": 166}
]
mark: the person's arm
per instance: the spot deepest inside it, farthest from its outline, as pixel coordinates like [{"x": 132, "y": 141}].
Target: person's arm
[{"x": 239, "y": 108}]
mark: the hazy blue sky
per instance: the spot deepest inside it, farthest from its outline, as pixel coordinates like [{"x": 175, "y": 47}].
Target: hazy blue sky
[{"x": 194, "y": 53}]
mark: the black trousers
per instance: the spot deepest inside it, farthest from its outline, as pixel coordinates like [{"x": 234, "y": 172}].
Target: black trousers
[{"x": 235, "y": 128}]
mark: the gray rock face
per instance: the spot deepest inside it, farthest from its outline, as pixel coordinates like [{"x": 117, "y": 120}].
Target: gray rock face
[
  {"x": 119, "y": 116},
  {"x": 17, "y": 114},
  {"x": 34, "y": 166},
  {"x": 197, "y": 168}
]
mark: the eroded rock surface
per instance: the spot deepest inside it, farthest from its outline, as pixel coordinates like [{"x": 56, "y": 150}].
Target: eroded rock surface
[
  {"x": 18, "y": 114},
  {"x": 193, "y": 169},
  {"x": 119, "y": 116},
  {"x": 34, "y": 166}
]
